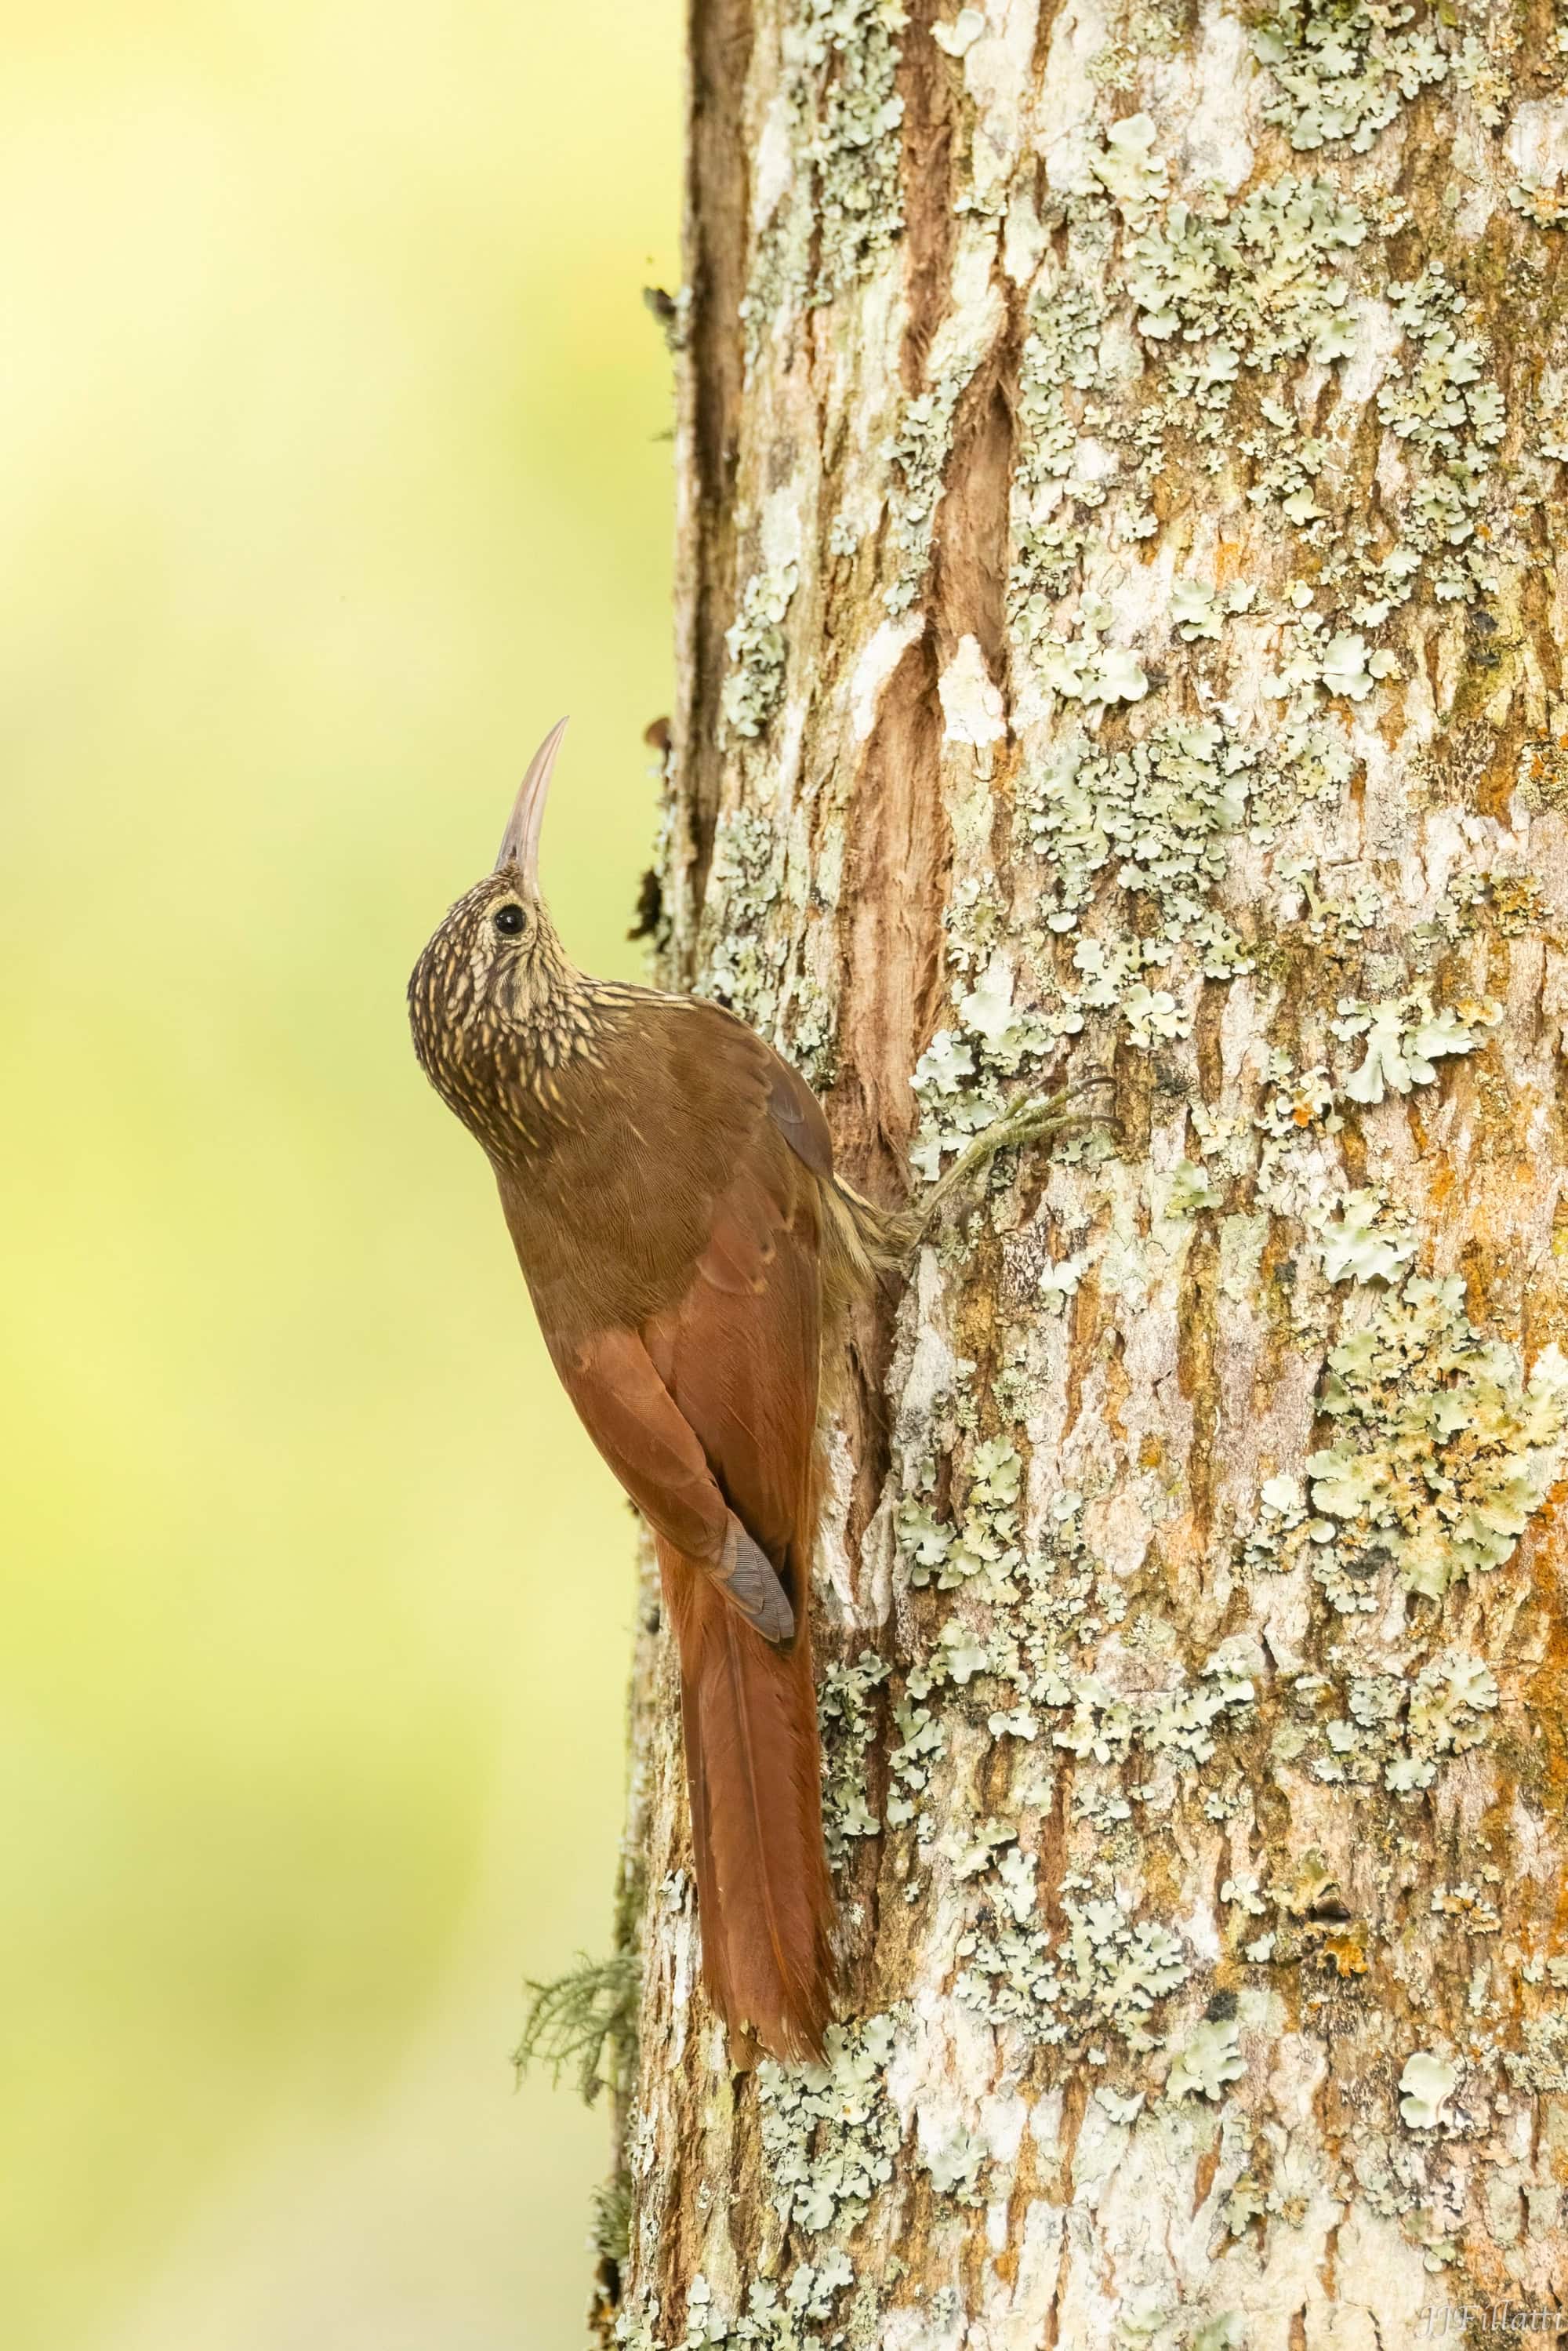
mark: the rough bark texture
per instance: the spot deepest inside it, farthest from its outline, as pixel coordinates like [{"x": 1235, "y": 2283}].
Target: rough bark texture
[{"x": 1120, "y": 504}]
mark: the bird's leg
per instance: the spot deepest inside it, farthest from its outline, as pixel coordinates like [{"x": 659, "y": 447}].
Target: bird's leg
[{"x": 1028, "y": 1122}]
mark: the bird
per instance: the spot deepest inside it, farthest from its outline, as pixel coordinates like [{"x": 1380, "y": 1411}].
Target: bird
[{"x": 693, "y": 1258}]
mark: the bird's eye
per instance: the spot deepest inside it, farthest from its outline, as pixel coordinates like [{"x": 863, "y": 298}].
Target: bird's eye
[{"x": 510, "y": 919}]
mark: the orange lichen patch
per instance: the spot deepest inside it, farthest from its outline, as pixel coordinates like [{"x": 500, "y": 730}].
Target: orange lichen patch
[
  {"x": 1391, "y": 726},
  {"x": 1347, "y": 1950},
  {"x": 1151, "y": 1451},
  {"x": 1198, "y": 1372},
  {"x": 1542, "y": 775},
  {"x": 1164, "y": 1878},
  {"x": 1025, "y": 2187},
  {"x": 1514, "y": 902},
  {"x": 1478, "y": 1264},
  {"x": 1228, "y": 561}
]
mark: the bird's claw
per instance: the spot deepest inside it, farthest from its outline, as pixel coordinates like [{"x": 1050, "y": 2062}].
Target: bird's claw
[{"x": 1027, "y": 1122}]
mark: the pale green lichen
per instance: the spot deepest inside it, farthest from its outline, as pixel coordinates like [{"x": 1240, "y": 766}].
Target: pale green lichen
[
  {"x": 847, "y": 1713},
  {"x": 837, "y": 204},
  {"x": 1209, "y": 2059},
  {"x": 1509, "y": 902},
  {"x": 1543, "y": 202},
  {"x": 1014, "y": 1667},
  {"x": 1394, "y": 1731},
  {"x": 1427, "y": 2084},
  {"x": 1178, "y": 1722},
  {"x": 1199, "y": 610},
  {"x": 1056, "y": 478},
  {"x": 1313, "y": 664},
  {"x": 954, "y": 2163},
  {"x": 754, "y": 686},
  {"x": 960, "y": 1080},
  {"x": 1158, "y": 817},
  {"x": 917, "y": 454},
  {"x": 988, "y": 1533},
  {"x": 1150, "y": 31},
  {"x": 830, "y": 2134},
  {"x": 1342, "y": 69},
  {"x": 1245, "y": 286},
  {"x": 1330, "y": 919},
  {"x": 853, "y": 149},
  {"x": 1448, "y": 412},
  {"x": 745, "y": 957},
  {"x": 1445, "y": 1451},
  {"x": 1365, "y": 1243},
  {"x": 922, "y": 1743},
  {"x": 777, "y": 2317},
  {"x": 1541, "y": 2065},
  {"x": 1467, "y": 1902},
  {"x": 1082, "y": 669},
  {"x": 1127, "y": 168},
  {"x": 1062, "y": 1279},
  {"x": 1405, "y": 1038},
  {"x": 1107, "y": 1972}
]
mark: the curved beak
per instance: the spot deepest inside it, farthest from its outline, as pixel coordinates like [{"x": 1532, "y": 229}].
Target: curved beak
[{"x": 520, "y": 845}]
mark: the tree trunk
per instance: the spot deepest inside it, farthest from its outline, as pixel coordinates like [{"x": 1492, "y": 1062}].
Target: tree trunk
[{"x": 1121, "y": 503}]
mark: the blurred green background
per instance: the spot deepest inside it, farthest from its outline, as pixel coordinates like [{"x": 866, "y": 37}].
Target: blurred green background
[{"x": 334, "y": 465}]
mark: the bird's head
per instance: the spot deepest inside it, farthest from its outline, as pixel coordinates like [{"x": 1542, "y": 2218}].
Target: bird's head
[{"x": 493, "y": 1001}]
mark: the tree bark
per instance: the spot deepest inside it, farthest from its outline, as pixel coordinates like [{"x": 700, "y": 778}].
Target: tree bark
[{"x": 1121, "y": 467}]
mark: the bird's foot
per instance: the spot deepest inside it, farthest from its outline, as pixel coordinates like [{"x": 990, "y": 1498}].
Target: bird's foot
[{"x": 1029, "y": 1121}]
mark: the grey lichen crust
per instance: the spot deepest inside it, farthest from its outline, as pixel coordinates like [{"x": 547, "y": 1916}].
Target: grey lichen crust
[{"x": 1194, "y": 1698}]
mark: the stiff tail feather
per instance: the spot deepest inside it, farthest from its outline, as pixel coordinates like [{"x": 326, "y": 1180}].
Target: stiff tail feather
[{"x": 765, "y": 1901}]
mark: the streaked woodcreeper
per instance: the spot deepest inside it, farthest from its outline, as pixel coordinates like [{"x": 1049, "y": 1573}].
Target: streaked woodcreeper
[{"x": 668, "y": 1183}]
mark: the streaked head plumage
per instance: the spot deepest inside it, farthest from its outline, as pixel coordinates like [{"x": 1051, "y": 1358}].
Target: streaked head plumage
[{"x": 492, "y": 992}]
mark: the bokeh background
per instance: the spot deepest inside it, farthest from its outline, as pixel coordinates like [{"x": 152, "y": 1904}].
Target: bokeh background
[{"x": 334, "y": 465}]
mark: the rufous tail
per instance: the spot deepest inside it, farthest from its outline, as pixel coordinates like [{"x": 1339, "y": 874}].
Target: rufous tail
[{"x": 764, "y": 1899}]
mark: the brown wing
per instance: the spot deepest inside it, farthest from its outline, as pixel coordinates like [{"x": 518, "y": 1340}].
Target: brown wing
[
  {"x": 637, "y": 1426},
  {"x": 738, "y": 1354},
  {"x": 671, "y": 1241},
  {"x": 707, "y": 1414}
]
